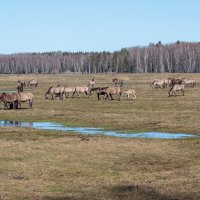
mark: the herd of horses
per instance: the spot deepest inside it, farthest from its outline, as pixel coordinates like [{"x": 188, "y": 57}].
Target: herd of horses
[
  {"x": 175, "y": 84},
  {"x": 13, "y": 100},
  {"x": 62, "y": 91}
]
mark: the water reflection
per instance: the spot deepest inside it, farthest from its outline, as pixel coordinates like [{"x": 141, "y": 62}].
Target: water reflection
[{"x": 92, "y": 131}]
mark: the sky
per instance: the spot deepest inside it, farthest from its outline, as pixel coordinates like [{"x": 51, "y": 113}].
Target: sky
[{"x": 95, "y": 25}]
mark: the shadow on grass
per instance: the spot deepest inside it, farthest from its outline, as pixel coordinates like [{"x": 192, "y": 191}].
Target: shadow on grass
[
  {"x": 58, "y": 198},
  {"x": 126, "y": 192},
  {"x": 137, "y": 192}
]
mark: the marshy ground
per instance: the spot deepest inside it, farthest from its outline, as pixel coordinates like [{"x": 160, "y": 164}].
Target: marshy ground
[{"x": 36, "y": 164}]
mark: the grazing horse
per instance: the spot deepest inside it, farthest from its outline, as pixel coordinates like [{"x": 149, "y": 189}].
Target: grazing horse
[
  {"x": 118, "y": 82},
  {"x": 57, "y": 91},
  {"x": 158, "y": 84},
  {"x": 81, "y": 90},
  {"x": 20, "y": 86},
  {"x": 12, "y": 99},
  {"x": 26, "y": 97},
  {"x": 32, "y": 82},
  {"x": 92, "y": 83},
  {"x": 189, "y": 82},
  {"x": 177, "y": 88}
]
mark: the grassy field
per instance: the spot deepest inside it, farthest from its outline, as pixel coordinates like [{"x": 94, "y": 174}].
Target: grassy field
[{"x": 55, "y": 165}]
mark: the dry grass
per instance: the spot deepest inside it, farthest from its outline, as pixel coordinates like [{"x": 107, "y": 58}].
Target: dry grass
[{"x": 56, "y": 165}]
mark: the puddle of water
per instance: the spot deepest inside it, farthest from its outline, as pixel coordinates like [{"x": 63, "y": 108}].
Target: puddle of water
[{"x": 92, "y": 131}]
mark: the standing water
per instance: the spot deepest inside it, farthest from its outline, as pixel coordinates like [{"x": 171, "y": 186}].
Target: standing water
[{"x": 92, "y": 131}]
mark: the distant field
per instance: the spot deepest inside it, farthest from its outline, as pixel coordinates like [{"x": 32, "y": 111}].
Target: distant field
[{"x": 56, "y": 165}]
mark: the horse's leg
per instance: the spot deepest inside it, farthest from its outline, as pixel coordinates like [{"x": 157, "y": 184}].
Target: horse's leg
[
  {"x": 29, "y": 103},
  {"x": 118, "y": 97},
  {"x": 61, "y": 98},
  {"x": 170, "y": 92},
  {"x": 64, "y": 95},
  {"x": 111, "y": 97},
  {"x": 74, "y": 93},
  {"x": 13, "y": 105},
  {"x": 18, "y": 105},
  {"x": 183, "y": 92},
  {"x": 98, "y": 96},
  {"x": 5, "y": 105}
]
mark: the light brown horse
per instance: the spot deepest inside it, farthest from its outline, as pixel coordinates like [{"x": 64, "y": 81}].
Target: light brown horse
[
  {"x": 32, "y": 82},
  {"x": 92, "y": 83},
  {"x": 26, "y": 96},
  {"x": 130, "y": 92},
  {"x": 69, "y": 90},
  {"x": 177, "y": 88},
  {"x": 57, "y": 91},
  {"x": 83, "y": 89}
]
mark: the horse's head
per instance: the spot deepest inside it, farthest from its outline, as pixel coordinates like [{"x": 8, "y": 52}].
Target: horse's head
[{"x": 46, "y": 95}]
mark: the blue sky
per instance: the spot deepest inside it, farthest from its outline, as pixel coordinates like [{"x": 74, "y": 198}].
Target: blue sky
[{"x": 95, "y": 25}]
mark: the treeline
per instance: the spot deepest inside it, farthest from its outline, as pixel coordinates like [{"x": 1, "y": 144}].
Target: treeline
[{"x": 155, "y": 58}]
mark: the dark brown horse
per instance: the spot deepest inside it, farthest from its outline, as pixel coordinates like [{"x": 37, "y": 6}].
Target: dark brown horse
[
  {"x": 99, "y": 91},
  {"x": 118, "y": 82},
  {"x": 175, "y": 81},
  {"x": 22, "y": 82},
  {"x": 107, "y": 92},
  {"x": 12, "y": 99},
  {"x": 20, "y": 86}
]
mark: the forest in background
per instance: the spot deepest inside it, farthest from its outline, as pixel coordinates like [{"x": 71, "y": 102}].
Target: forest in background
[{"x": 155, "y": 58}]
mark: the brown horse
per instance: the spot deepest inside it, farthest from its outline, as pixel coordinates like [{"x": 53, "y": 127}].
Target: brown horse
[
  {"x": 107, "y": 91},
  {"x": 22, "y": 82},
  {"x": 118, "y": 82},
  {"x": 99, "y": 91},
  {"x": 10, "y": 99},
  {"x": 175, "y": 81},
  {"x": 57, "y": 91},
  {"x": 20, "y": 86}
]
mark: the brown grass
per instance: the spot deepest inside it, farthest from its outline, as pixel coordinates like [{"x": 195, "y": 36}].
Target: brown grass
[{"x": 56, "y": 165}]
